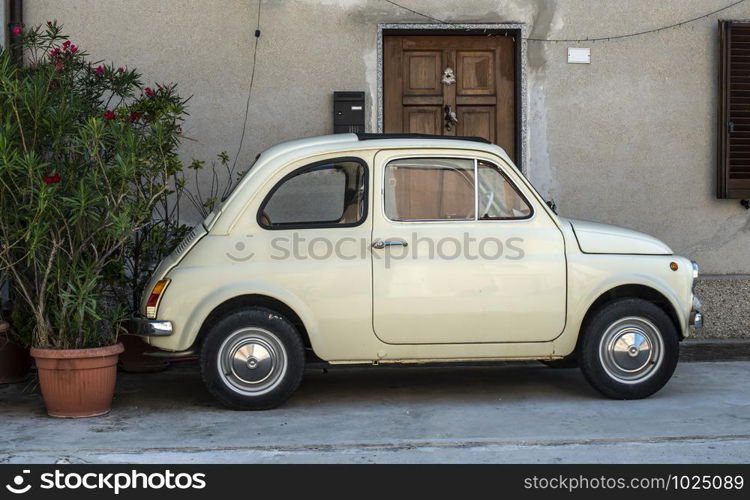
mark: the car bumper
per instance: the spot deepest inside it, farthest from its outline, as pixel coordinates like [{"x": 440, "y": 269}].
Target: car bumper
[
  {"x": 696, "y": 314},
  {"x": 151, "y": 328}
]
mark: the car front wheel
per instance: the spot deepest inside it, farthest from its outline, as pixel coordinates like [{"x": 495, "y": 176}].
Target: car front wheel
[
  {"x": 629, "y": 349},
  {"x": 252, "y": 359}
]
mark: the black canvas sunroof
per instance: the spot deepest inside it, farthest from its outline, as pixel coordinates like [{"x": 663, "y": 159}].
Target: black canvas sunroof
[{"x": 370, "y": 137}]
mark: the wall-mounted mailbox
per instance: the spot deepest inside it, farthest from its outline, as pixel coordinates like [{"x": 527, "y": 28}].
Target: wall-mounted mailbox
[{"x": 348, "y": 112}]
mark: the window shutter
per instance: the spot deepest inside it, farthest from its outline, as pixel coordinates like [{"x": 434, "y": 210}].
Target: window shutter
[{"x": 733, "y": 179}]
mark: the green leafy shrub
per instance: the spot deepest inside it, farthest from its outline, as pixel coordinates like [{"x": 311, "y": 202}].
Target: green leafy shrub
[{"x": 89, "y": 185}]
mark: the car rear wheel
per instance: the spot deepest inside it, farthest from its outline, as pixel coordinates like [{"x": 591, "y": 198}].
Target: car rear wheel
[
  {"x": 629, "y": 349},
  {"x": 252, "y": 359}
]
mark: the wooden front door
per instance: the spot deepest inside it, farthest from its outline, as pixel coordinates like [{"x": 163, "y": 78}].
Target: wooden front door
[{"x": 420, "y": 98}]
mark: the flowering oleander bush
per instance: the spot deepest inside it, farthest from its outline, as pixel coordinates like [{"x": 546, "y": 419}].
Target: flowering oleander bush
[{"x": 89, "y": 185}]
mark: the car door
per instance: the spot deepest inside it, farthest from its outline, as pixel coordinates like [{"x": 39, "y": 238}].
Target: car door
[{"x": 462, "y": 253}]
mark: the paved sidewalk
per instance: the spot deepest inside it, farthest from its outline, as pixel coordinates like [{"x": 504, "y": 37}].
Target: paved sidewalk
[{"x": 510, "y": 413}]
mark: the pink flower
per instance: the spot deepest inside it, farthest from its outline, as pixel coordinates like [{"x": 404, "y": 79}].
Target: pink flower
[
  {"x": 59, "y": 66},
  {"x": 121, "y": 70},
  {"x": 51, "y": 179},
  {"x": 135, "y": 115},
  {"x": 99, "y": 71},
  {"x": 149, "y": 92},
  {"x": 110, "y": 115},
  {"x": 16, "y": 30},
  {"x": 73, "y": 49},
  {"x": 66, "y": 44},
  {"x": 54, "y": 52}
]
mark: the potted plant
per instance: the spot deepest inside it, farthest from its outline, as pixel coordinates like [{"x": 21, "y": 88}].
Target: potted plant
[
  {"x": 81, "y": 170},
  {"x": 150, "y": 244}
]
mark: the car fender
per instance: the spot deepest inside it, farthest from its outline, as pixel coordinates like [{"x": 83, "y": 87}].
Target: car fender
[
  {"x": 592, "y": 294},
  {"x": 187, "y": 332}
]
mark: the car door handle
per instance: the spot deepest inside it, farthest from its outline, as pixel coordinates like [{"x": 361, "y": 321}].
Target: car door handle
[{"x": 380, "y": 244}]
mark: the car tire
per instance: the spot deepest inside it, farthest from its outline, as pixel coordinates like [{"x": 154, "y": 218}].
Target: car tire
[
  {"x": 252, "y": 359},
  {"x": 629, "y": 349}
]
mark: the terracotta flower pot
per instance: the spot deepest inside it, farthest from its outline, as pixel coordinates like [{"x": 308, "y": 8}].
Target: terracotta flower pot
[
  {"x": 15, "y": 361},
  {"x": 77, "y": 382}
]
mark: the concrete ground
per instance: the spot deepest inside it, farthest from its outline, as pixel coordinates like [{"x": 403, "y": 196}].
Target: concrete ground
[{"x": 511, "y": 413}]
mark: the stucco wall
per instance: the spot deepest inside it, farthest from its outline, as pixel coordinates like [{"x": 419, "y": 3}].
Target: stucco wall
[{"x": 628, "y": 139}]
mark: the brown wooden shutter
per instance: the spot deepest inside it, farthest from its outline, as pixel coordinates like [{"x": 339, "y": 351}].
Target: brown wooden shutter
[{"x": 733, "y": 179}]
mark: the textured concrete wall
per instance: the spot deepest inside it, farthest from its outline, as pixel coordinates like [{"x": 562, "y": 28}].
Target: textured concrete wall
[
  {"x": 628, "y": 139},
  {"x": 726, "y": 304}
]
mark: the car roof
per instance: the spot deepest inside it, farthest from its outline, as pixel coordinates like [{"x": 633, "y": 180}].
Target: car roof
[{"x": 352, "y": 142}]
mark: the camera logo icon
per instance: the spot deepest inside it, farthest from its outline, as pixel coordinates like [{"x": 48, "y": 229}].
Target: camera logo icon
[{"x": 18, "y": 487}]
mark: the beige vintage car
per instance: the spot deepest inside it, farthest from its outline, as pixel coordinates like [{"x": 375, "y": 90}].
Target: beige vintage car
[{"x": 375, "y": 249}]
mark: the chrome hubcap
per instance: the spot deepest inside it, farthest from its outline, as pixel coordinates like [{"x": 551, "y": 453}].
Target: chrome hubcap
[
  {"x": 252, "y": 361},
  {"x": 631, "y": 350}
]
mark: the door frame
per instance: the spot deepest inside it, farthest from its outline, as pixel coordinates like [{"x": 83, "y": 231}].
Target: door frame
[{"x": 517, "y": 30}]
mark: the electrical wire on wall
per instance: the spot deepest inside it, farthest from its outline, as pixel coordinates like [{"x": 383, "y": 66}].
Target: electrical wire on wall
[
  {"x": 250, "y": 88},
  {"x": 580, "y": 40}
]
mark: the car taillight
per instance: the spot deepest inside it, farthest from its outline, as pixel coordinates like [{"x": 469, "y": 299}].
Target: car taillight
[{"x": 153, "y": 300}]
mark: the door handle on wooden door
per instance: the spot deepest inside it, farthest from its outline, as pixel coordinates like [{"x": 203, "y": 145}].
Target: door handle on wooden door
[{"x": 450, "y": 117}]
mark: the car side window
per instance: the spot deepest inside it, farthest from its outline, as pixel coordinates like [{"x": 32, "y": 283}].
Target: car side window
[
  {"x": 498, "y": 198},
  {"x": 433, "y": 189},
  {"x": 328, "y": 193},
  {"x": 418, "y": 189}
]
